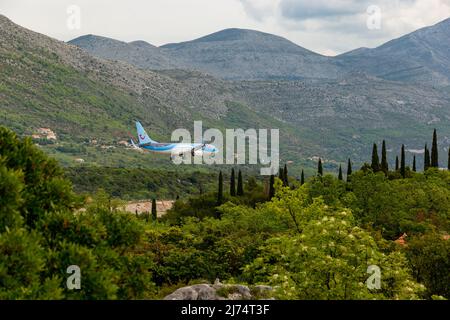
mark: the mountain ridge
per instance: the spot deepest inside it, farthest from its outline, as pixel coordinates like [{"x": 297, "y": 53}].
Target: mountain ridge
[
  {"x": 244, "y": 54},
  {"x": 232, "y": 54},
  {"x": 421, "y": 57}
]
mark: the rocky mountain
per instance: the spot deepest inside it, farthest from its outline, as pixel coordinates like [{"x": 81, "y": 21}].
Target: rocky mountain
[
  {"x": 228, "y": 54},
  {"x": 138, "y": 53},
  {"x": 50, "y": 83},
  {"x": 421, "y": 57},
  {"x": 246, "y": 54}
]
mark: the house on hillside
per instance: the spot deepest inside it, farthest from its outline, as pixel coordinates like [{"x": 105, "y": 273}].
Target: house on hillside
[{"x": 44, "y": 133}]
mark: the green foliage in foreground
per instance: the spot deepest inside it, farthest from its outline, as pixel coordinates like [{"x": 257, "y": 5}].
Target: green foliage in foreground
[
  {"x": 311, "y": 242},
  {"x": 41, "y": 234}
]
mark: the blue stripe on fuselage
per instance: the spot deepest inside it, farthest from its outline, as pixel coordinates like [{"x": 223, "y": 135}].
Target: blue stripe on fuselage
[{"x": 159, "y": 147}]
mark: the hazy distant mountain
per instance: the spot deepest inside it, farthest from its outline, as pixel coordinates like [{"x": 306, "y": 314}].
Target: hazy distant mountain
[
  {"x": 138, "y": 53},
  {"x": 249, "y": 55},
  {"x": 236, "y": 54},
  {"x": 421, "y": 57}
]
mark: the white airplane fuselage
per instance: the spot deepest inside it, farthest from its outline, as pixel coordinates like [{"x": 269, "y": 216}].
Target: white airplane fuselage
[{"x": 173, "y": 149}]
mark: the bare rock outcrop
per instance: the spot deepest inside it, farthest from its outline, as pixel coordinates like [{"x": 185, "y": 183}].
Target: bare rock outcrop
[{"x": 219, "y": 291}]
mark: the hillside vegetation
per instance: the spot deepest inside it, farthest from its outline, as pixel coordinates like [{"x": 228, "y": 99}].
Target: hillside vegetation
[{"x": 311, "y": 241}]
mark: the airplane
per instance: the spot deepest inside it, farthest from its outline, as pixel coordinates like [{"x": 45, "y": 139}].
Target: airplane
[{"x": 174, "y": 149}]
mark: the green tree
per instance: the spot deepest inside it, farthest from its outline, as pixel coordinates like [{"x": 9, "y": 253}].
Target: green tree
[
  {"x": 22, "y": 264},
  {"x": 11, "y": 187},
  {"x": 302, "y": 178},
  {"x": 402, "y": 162},
  {"x": 414, "y": 168},
  {"x": 154, "y": 210},
  {"x": 427, "y": 161},
  {"x": 397, "y": 164},
  {"x": 232, "y": 183},
  {"x": 285, "y": 176},
  {"x": 448, "y": 162},
  {"x": 340, "y": 173},
  {"x": 326, "y": 256},
  {"x": 320, "y": 168},
  {"x": 240, "y": 185},
  {"x": 384, "y": 161},
  {"x": 220, "y": 190},
  {"x": 375, "y": 165},
  {"x": 271, "y": 186},
  {"x": 281, "y": 173},
  {"x": 434, "y": 151},
  {"x": 429, "y": 256},
  {"x": 349, "y": 170},
  {"x": 41, "y": 234},
  {"x": 44, "y": 187}
]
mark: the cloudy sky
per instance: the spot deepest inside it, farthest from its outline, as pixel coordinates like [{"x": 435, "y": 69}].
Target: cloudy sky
[{"x": 326, "y": 26}]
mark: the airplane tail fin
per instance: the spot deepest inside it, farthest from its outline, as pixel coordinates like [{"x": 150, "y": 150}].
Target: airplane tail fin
[{"x": 143, "y": 137}]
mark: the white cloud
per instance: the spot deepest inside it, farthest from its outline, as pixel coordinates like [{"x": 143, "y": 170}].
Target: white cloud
[
  {"x": 325, "y": 26},
  {"x": 156, "y": 21},
  {"x": 261, "y": 9},
  {"x": 337, "y": 26}
]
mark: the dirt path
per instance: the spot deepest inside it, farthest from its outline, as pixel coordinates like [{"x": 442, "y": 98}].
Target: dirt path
[{"x": 146, "y": 205}]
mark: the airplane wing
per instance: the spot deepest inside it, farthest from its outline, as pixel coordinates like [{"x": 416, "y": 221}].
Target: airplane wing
[
  {"x": 199, "y": 147},
  {"x": 191, "y": 150}
]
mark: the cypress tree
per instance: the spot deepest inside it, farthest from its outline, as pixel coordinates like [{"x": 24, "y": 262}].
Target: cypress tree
[
  {"x": 232, "y": 183},
  {"x": 280, "y": 174},
  {"x": 320, "y": 168},
  {"x": 220, "y": 190},
  {"x": 402, "y": 162},
  {"x": 271, "y": 186},
  {"x": 426, "y": 162},
  {"x": 384, "y": 162},
  {"x": 375, "y": 160},
  {"x": 285, "y": 176},
  {"x": 349, "y": 170},
  {"x": 154, "y": 212},
  {"x": 340, "y": 173},
  {"x": 414, "y": 164},
  {"x": 434, "y": 152},
  {"x": 302, "y": 178},
  {"x": 240, "y": 185},
  {"x": 448, "y": 164},
  {"x": 397, "y": 165}
]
